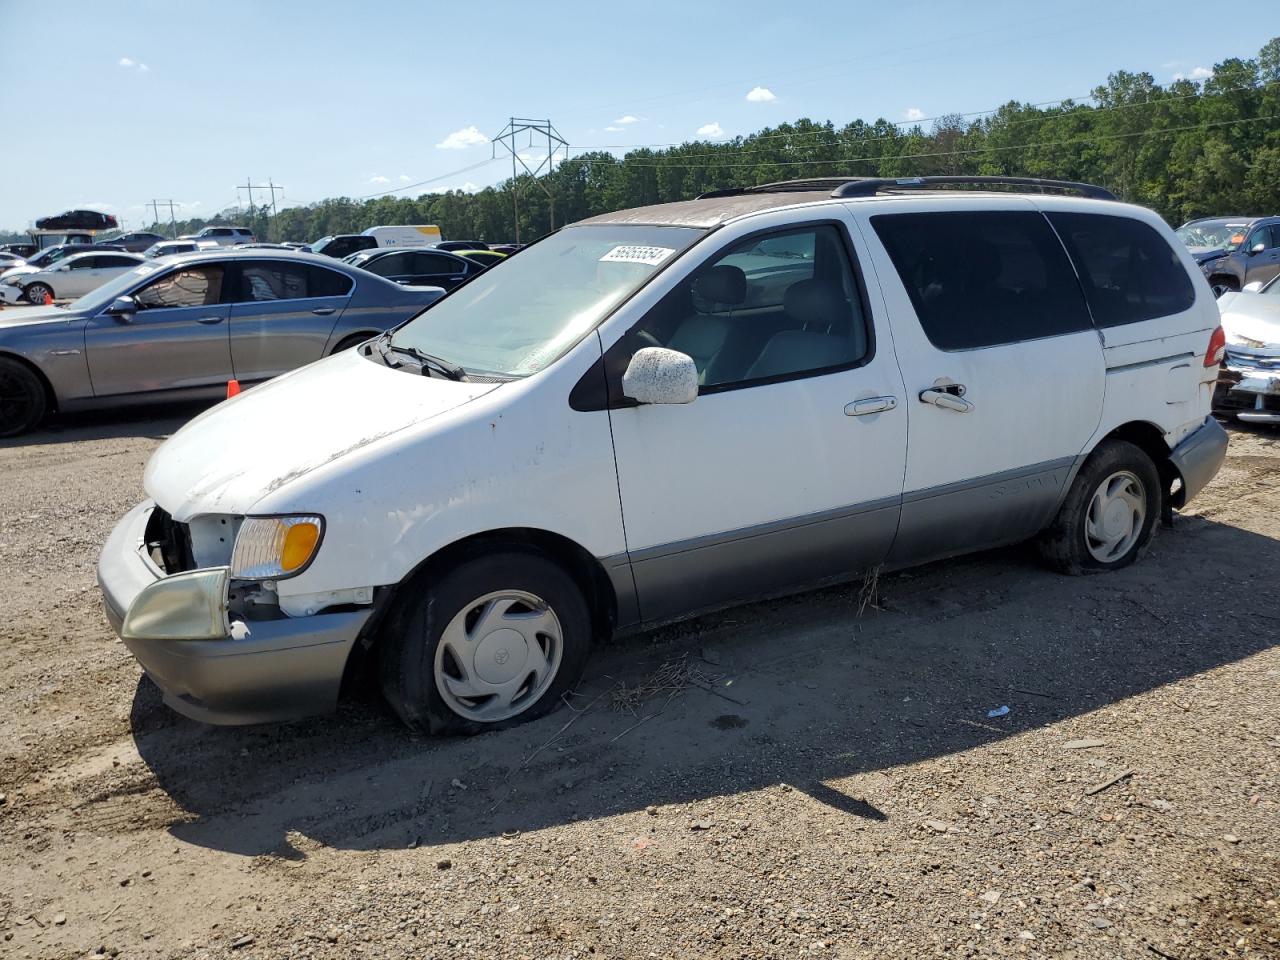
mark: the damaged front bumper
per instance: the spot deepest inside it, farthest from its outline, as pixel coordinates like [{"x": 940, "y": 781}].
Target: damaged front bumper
[
  {"x": 1249, "y": 387},
  {"x": 212, "y": 666}
]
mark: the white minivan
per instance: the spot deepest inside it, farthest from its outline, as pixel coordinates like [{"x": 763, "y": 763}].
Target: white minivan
[{"x": 665, "y": 410}]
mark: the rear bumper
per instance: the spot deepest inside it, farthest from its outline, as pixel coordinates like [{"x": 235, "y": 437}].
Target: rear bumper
[
  {"x": 263, "y": 670},
  {"x": 1198, "y": 458}
]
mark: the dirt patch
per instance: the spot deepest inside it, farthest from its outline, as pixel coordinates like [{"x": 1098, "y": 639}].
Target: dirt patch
[{"x": 816, "y": 776}]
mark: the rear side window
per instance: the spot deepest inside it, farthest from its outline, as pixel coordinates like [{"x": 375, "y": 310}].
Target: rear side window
[
  {"x": 264, "y": 281},
  {"x": 328, "y": 283},
  {"x": 1128, "y": 272},
  {"x": 978, "y": 279}
]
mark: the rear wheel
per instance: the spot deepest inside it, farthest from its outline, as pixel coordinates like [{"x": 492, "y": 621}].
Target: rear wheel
[
  {"x": 493, "y": 642},
  {"x": 38, "y": 292},
  {"x": 1110, "y": 513},
  {"x": 22, "y": 398},
  {"x": 1221, "y": 285}
]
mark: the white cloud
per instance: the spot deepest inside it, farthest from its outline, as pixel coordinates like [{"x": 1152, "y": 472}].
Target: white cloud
[
  {"x": 761, "y": 95},
  {"x": 712, "y": 130},
  {"x": 627, "y": 118},
  {"x": 126, "y": 62},
  {"x": 461, "y": 139},
  {"x": 914, "y": 113},
  {"x": 612, "y": 129},
  {"x": 130, "y": 64},
  {"x": 142, "y": 67},
  {"x": 378, "y": 178},
  {"x": 404, "y": 178},
  {"x": 1199, "y": 73},
  {"x": 467, "y": 187}
]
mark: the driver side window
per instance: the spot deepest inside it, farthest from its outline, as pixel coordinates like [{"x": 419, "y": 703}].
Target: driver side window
[
  {"x": 197, "y": 286},
  {"x": 771, "y": 307}
]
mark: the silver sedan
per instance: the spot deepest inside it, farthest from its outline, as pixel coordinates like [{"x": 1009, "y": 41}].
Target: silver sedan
[{"x": 179, "y": 328}]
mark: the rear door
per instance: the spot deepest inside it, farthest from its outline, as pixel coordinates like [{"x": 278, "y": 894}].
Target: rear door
[
  {"x": 1004, "y": 371},
  {"x": 177, "y": 339},
  {"x": 282, "y": 314},
  {"x": 438, "y": 270},
  {"x": 81, "y": 275}
]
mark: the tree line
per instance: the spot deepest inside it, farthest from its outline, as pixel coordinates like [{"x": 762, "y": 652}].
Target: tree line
[{"x": 1185, "y": 149}]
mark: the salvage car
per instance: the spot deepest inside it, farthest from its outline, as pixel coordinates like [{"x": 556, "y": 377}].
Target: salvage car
[
  {"x": 71, "y": 276},
  {"x": 1234, "y": 251},
  {"x": 666, "y": 410},
  {"x": 179, "y": 328},
  {"x": 1249, "y": 382}
]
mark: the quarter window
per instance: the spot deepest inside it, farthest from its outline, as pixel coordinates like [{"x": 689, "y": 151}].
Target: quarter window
[
  {"x": 265, "y": 281},
  {"x": 770, "y": 307},
  {"x": 198, "y": 286},
  {"x": 1129, "y": 273},
  {"x": 978, "y": 279}
]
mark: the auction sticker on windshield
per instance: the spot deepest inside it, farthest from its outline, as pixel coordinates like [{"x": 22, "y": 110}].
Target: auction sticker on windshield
[{"x": 631, "y": 253}]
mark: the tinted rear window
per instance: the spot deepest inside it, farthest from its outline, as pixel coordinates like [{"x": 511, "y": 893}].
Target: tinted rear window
[
  {"x": 1128, "y": 271},
  {"x": 977, "y": 279}
]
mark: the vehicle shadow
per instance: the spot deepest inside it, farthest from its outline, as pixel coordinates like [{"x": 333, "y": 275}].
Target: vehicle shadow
[
  {"x": 802, "y": 691},
  {"x": 153, "y": 422}
]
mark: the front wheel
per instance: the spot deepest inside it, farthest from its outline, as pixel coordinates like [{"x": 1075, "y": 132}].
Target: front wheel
[
  {"x": 1221, "y": 285},
  {"x": 22, "y": 398},
  {"x": 495, "y": 641},
  {"x": 38, "y": 293},
  {"x": 1110, "y": 513}
]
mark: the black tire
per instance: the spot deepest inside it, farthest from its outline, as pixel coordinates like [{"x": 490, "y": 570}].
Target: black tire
[
  {"x": 35, "y": 292},
  {"x": 1064, "y": 546},
  {"x": 426, "y": 605},
  {"x": 1220, "y": 285},
  {"x": 23, "y": 401},
  {"x": 346, "y": 343}
]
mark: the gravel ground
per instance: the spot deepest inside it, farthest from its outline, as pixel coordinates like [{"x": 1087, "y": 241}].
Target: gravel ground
[{"x": 811, "y": 777}]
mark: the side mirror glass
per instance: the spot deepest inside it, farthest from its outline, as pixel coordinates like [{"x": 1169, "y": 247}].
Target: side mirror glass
[
  {"x": 1254, "y": 286},
  {"x": 1257, "y": 248},
  {"x": 123, "y": 307},
  {"x": 659, "y": 375}
]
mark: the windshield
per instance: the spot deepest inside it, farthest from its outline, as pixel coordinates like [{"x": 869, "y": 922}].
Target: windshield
[
  {"x": 1213, "y": 234},
  {"x": 102, "y": 296},
  {"x": 47, "y": 256},
  {"x": 321, "y": 244},
  {"x": 520, "y": 315}
]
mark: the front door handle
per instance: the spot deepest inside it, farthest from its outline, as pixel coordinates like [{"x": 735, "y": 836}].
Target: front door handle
[
  {"x": 323, "y": 311},
  {"x": 949, "y": 397},
  {"x": 863, "y": 408},
  {"x": 208, "y": 320}
]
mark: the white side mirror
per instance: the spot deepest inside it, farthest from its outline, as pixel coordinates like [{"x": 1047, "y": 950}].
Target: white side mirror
[
  {"x": 1254, "y": 286},
  {"x": 659, "y": 375}
]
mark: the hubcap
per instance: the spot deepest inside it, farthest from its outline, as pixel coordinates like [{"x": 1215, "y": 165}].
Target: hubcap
[
  {"x": 498, "y": 655},
  {"x": 1116, "y": 515}
]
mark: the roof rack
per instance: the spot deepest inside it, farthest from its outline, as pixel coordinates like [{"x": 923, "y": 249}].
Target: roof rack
[
  {"x": 871, "y": 186},
  {"x": 846, "y": 187}
]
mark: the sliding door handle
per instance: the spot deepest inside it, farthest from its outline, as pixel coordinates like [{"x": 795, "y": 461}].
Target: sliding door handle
[
  {"x": 946, "y": 400},
  {"x": 863, "y": 408}
]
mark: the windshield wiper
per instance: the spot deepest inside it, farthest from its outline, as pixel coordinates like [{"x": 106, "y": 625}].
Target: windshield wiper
[{"x": 428, "y": 361}]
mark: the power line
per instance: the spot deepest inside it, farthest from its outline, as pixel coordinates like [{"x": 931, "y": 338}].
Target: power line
[
  {"x": 1101, "y": 138},
  {"x": 422, "y": 183}
]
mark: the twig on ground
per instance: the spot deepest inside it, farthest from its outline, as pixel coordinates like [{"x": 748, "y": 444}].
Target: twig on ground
[
  {"x": 1099, "y": 787},
  {"x": 642, "y": 720},
  {"x": 981, "y": 726},
  {"x": 671, "y": 678},
  {"x": 869, "y": 593},
  {"x": 1036, "y": 693}
]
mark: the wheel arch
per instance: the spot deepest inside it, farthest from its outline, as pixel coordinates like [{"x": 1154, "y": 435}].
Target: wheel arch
[
  {"x": 1150, "y": 439},
  {"x": 50, "y": 395},
  {"x": 351, "y": 339},
  {"x": 587, "y": 571}
]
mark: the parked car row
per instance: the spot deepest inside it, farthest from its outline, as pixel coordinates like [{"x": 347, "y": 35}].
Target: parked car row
[{"x": 1234, "y": 251}]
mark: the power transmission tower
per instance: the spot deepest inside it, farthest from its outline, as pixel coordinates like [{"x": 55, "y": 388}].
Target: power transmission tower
[
  {"x": 250, "y": 186},
  {"x": 542, "y": 130},
  {"x": 173, "y": 223}
]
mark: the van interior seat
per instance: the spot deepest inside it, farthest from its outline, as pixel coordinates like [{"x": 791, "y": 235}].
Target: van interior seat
[
  {"x": 704, "y": 335},
  {"x": 827, "y": 333}
]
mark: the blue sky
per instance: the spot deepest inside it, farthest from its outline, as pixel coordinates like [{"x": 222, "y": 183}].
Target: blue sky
[{"x": 116, "y": 103}]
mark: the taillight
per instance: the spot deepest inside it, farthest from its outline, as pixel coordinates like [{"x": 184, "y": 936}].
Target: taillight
[{"x": 1217, "y": 348}]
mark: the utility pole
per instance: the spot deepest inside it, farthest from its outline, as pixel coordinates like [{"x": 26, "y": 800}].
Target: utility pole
[
  {"x": 250, "y": 186},
  {"x": 173, "y": 223},
  {"x": 555, "y": 142}
]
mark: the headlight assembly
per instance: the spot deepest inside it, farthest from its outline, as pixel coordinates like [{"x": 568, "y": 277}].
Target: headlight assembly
[{"x": 272, "y": 548}]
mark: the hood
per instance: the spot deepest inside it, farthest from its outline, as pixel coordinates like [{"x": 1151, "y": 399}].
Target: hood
[
  {"x": 245, "y": 448},
  {"x": 29, "y": 315},
  {"x": 1255, "y": 317},
  {"x": 13, "y": 272},
  {"x": 1205, "y": 254}
]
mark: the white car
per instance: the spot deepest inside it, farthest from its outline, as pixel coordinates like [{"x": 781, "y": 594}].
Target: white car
[
  {"x": 1249, "y": 382},
  {"x": 662, "y": 411},
  {"x": 222, "y": 236},
  {"x": 169, "y": 248},
  {"x": 70, "y": 277}
]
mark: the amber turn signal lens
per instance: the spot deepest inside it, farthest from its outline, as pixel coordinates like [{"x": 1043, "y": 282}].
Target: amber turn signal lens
[{"x": 299, "y": 544}]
